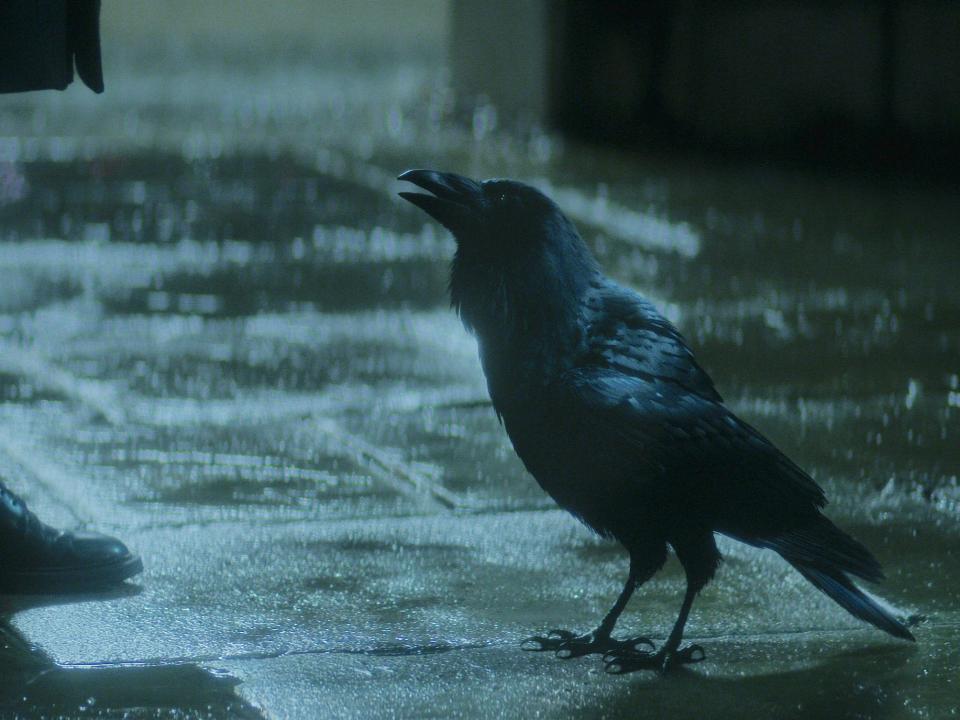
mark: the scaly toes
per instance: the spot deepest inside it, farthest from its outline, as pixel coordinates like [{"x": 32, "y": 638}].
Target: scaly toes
[
  {"x": 566, "y": 645},
  {"x": 629, "y": 649},
  {"x": 689, "y": 655},
  {"x": 553, "y": 640},
  {"x": 620, "y": 662},
  {"x": 632, "y": 645},
  {"x": 584, "y": 645}
]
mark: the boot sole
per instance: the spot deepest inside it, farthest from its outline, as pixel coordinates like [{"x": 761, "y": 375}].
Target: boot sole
[{"x": 65, "y": 581}]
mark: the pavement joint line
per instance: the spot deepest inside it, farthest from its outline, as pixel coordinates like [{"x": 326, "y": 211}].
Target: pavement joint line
[
  {"x": 187, "y": 412},
  {"x": 330, "y": 521},
  {"x": 51, "y": 477},
  {"x": 347, "y": 519},
  {"x": 396, "y": 473},
  {"x": 381, "y": 651},
  {"x": 101, "y": 399},
  {"x": 428, "y": 649},
  {"x": 98, "y": 396}
]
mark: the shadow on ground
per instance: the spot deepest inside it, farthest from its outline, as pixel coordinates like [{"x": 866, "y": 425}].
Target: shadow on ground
[
  {"x": 856, "y": 684},
  {"x": 32, "y": 685}
]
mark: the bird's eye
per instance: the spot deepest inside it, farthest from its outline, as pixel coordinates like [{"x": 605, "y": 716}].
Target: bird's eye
[{"x": 502, "y": 197}]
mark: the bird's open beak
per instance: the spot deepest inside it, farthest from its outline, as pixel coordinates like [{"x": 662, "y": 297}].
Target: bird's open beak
[{"x": 454, "y": 198}]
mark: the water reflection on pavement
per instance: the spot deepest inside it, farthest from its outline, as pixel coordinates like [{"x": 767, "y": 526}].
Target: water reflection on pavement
[{"x": 224, "y": 340}]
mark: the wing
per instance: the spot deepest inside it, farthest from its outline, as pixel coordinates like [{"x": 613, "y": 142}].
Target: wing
[
  {"x": 690, "y": 451},
  {"x": 627, "y": 334}
]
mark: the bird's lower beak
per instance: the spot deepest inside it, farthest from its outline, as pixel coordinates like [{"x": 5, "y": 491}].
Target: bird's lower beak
[{"x": 454, "y": 197}]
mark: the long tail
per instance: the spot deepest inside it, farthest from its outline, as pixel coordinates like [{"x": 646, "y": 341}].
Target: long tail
[
  {"x": 826, "y": 556},
  {"x": 852, "y": 599}
]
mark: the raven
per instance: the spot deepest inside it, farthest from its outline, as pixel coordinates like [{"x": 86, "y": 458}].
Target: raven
[{"x": 610, "y": 412}]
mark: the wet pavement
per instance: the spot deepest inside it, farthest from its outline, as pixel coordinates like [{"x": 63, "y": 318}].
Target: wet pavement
[{"x": 224, "y": 339}]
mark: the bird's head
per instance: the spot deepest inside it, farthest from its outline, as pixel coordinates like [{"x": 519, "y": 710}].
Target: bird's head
[
  {"x": 514, "y": 245},
  {"x": 500, "y": 216}
]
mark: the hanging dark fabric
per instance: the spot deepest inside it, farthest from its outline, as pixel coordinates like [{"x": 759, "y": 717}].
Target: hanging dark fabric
[{"x": 42, "y": 41}]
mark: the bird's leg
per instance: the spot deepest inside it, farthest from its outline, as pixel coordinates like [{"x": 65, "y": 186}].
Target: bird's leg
[
  {"x": 623, "y": 660},
  {"x": 568, "y": 645}
]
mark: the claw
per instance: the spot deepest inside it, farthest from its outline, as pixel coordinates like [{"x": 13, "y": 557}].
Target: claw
[
  {"x": 628, "y": 648},
  {"x": 615, "y": 668},
  {"x": 566, "y": 645},
  {"x": 553, "y": 640},
  {"x": 618, "y": 662},
  {"x": 574, "y": 650},
  {"x": 690, "y": 655},
  {"x": 634, "y": 642}
]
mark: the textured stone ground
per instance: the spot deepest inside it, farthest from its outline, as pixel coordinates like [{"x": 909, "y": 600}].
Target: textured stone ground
[{"x": 223, "y": 339}]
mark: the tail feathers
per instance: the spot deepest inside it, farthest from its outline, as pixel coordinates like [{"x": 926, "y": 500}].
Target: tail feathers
[
  {"x": 822, "y": 544},
  {"x": 841, "y": 589},
  {"x": 825, "y": 555}
]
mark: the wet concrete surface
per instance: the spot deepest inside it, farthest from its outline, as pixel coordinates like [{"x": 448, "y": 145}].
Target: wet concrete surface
[{"x": 223, "y": 339}]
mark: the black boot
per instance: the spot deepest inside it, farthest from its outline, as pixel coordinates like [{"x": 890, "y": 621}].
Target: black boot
[{"x": 35, "y": 558}]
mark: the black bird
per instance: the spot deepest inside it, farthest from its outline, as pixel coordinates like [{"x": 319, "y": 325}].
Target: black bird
[{"x": 608, "y": 409}]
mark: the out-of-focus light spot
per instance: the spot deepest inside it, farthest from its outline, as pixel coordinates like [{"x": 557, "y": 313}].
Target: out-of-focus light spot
[
  {"x": 158, "y": 301},
  {"x": 9, "y": 149},
  {"x": 913, "y": 391},
  {"x": 395, "y": 122},
  {"x": 639, "y": 228},
  {"x": 199, "y": 304},
  {"x": 138, "y": 192},
  {"x": 96, "y": 233},
  {"x": 13, "y": 184},
  {"x": 484, "y": 121}
]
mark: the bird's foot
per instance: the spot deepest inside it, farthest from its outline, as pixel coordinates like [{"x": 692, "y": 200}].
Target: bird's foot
[
  {"x": 619, "y": 662},
  {"x": 564, "y": 644}
]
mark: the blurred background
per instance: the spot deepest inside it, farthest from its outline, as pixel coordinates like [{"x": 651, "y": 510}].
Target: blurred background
[{"x": 224, "y": 339}]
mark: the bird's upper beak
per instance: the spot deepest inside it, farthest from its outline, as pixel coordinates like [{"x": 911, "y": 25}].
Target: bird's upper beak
[{"x": 454, "y": 199}]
